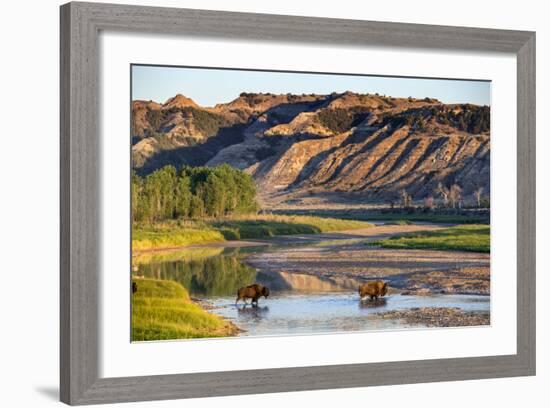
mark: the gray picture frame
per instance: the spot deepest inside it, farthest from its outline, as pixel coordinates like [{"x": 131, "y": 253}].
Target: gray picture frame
[{"x": 80, "y": 237}]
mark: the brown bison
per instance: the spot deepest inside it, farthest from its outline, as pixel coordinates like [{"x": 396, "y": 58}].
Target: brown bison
[
  {"x": 134, "y": 287},
  {"x": 253, "y": 292},
  {"x": 373, "y": 289}
]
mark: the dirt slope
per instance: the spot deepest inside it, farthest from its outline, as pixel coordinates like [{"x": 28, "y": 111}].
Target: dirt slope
[{"x": 368, "y": 146}]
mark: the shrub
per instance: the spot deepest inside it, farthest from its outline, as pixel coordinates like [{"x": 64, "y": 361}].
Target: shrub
[{"x": 339, "y": 120}]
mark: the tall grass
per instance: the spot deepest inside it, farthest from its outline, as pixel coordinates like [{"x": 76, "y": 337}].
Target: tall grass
[
  {"x": 162, "y": 310},
  {"x": 472, "y": 238},
  {"x": 184, "y": 233},
  {"x": 262, "y": 226},
  {"x": 144, "y": 238}
]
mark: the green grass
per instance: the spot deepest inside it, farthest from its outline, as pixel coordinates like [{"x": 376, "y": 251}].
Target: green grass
[
  {"x": 173, "y": 234},
  {"x": 365, "y": 215},
  {"x": 473, "y": 238},
  {"x": 435, "y": 218},
  {"x": 162, "y": 310},
  {"x": 327, "y": 224},
  {"x": 263, "y": 226}
]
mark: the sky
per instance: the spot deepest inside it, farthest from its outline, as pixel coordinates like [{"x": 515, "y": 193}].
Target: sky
[{"x": 207, "y": 87}]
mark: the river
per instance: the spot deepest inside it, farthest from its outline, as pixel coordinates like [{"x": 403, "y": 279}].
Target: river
[{"x": 313, "y": 282}]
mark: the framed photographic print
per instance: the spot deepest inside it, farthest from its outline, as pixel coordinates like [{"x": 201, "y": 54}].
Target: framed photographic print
[{"x": 300, "y": 189}]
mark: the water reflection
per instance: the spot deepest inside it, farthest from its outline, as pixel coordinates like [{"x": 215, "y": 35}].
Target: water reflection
[
  {"x": 301, "y": 282},
  {"x": 252, "y": 314},
  {"x": 372, "y": 304},
  {"x": 211, "y": 272},
  {"x": 218, "y": 273},
  {"x": 299, "y": 303}
]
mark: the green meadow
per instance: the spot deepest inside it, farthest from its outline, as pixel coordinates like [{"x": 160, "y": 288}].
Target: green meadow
[{"x": 472, "y": 238}]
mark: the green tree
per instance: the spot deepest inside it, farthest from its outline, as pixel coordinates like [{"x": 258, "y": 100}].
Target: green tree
[
  {"x": 196, "y": 207},
  {"x": 183, "y": 195},
  {"x": 195, "y": 192},
  {"x": 214, "y": 195}
]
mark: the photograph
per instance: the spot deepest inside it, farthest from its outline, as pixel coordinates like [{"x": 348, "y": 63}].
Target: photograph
[{"x": 277, "y": 203}]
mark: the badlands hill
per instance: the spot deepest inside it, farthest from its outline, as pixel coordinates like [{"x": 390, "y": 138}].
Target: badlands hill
[{"x": 361, "y": 147}]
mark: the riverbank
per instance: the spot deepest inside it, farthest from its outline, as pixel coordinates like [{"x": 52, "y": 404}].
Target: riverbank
[
  {"x": 163, "y": 310},
  {"x": 174, "y": 234},
  {"x": 349, "y": 255},
  {"x": 314, "y": 278},
  {"x": 438, "y": 317}
]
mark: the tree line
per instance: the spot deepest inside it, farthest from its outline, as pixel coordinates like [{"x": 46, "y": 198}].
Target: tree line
[
  {"x": 192, "y": 192},
  {"x": 451, "y": 197},
  {"x": 470, "y": 118}
]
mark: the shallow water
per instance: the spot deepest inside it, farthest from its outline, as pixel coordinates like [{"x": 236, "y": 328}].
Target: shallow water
[
  {"x": 302, "y": 313},
  {"x": 298, "y": 304}
]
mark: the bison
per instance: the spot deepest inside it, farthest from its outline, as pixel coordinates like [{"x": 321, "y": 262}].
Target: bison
[
  {"x": 373, "y": 289},
  {"x": 253, "y": 292}
]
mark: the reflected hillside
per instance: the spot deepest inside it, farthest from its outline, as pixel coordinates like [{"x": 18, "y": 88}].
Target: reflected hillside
[{"x": 285, "y": 281}]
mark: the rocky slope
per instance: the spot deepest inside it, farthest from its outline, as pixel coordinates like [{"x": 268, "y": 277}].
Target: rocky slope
[{"x": 360, "y": 146}]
